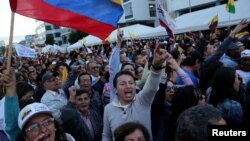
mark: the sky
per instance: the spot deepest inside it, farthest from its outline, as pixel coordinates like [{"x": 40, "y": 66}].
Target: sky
[{"x": 22, "y": 25}]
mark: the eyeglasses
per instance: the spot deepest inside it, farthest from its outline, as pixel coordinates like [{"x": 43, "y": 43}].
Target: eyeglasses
[
  {"x": 169, "y": 88},
  {"x": 53, "y": 79},
  {"x": 37, "y": 126}
]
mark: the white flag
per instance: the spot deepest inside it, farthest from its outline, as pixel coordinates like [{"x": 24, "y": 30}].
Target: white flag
[{"x": 165, "y": 19}]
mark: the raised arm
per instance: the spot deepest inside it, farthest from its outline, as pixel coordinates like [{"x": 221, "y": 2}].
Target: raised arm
[
  {"x": 148, "y": 92},
  {"x": 11, "y": 105},
  {"x": 114, "y": 62},
  {"x": 175, "y": 66},
  {"x": 223, "y": 47},
  {"x": 145, "y": 73}
]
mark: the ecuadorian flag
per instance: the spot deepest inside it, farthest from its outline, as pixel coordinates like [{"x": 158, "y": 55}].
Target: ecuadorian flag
[
  {"x": 242, "y": 35},
  {"x": 213, "y": 23},
  {"x": 230, "y": 7},
  {"x": 95, "y": 17}
]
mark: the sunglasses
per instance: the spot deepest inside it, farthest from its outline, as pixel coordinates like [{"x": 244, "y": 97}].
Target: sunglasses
[{"x": 37, "y": 126}]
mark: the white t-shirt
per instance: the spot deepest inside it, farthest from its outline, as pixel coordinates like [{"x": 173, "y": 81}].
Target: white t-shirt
[{"x": 244, "y": 75}]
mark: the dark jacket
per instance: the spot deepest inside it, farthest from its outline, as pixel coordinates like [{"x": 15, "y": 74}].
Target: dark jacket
[
  {"x": 75, "y": 125},
  {"x": 38, "y": 94}
]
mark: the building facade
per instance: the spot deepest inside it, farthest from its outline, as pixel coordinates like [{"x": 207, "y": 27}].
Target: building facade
[
  {"x": 179, "y": 7},
  {"x": 138, "y": 12},
  {"x": 46, "y": 31}
]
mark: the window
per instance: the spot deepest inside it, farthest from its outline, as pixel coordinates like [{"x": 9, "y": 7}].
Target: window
[
  {"x": 125, "y": 1},
  {"x": 49, "y": 36},
  {"x": 48, "y": 27},
  {"x": 128, "y": 10},
  {"x": 64, "y": 39},
  {"x": 60, "y": 43},
  {"x": 58, "y": 34},
  {"x": 152, "y": 10},
  {"x": 56, "y": 27}
]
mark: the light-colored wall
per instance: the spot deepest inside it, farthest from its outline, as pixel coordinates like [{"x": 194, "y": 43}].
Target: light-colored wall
[
  {"x": 175, "y": 5},
  {"x": 140, "y": 10}
]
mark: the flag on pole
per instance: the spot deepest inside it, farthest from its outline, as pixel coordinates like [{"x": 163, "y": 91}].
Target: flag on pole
[
  {"x": 213, "y": 24},
  {"x": 5, "y": 53},
  {"x": 95, "y": 17},
  {"x": 230, "y": 7},
  {"x": 132, "y": 35},
  {"x": 165, "y": 19},
  {"x": 64, "y": 75},
  {"x": 242, "y": 36},
  {"x": 108, "y": 39}
]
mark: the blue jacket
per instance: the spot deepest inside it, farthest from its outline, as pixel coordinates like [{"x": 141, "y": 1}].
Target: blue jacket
[
  {"x": 11, "y": 112},
  {"x": 232, "y": 112}
]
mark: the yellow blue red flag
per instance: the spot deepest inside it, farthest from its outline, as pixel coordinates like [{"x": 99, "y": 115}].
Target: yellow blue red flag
[{"x": 95, "y": 17}]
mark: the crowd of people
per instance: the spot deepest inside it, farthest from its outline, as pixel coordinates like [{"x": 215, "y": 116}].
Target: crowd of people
[{"x": 142, "y": 90}]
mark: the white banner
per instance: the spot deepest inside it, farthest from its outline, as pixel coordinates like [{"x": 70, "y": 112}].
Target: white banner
[{"x": 23, "y": 51}]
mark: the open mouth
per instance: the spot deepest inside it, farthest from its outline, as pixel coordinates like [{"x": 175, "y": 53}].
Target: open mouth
[
  {"x": 45, "y": 138},
  {"x": 128, "y": 93}
]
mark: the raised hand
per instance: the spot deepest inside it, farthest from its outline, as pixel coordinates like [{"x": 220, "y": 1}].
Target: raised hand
[
  {"x": 8, "y": 79},
  {"x": 243, "y": 23},
  {"x": 160, "y": 56},
  {"x": 119, "y": 37},
  {"x": 72, "y": 94}
]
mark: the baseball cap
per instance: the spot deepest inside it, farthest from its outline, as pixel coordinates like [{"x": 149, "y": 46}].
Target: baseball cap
[
  {"x": 233, "y": 46},
  {"x": 245, "y": 53},
  {"x": 48, "y": 76},
  {"x": 30, "y": 111}
]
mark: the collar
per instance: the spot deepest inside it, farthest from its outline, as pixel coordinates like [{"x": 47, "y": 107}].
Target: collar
[
  {"x": 116, "y": 102},
  {"x": 55, "y": 93},
  {"x": 86, "y": 117}
]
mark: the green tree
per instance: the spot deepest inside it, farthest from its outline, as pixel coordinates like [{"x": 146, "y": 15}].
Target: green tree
[{"x": 74, "y": 36}]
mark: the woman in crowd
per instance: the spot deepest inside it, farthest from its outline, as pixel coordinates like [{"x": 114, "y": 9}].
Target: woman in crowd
[
  {"x": 225, "y": 85},
  {"x": 25, "y": 93},
  {"x": 131, "y": 131},
  {"x": 34, "y": 122},
  {"x": 37, "y": 124}
]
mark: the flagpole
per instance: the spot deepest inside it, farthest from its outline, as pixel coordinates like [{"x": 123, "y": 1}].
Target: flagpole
[{"x": 10, "y": 41}]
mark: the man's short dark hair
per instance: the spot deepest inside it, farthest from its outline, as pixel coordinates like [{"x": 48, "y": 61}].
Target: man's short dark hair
[
  {"x": 84, "y": 73},
  {"x": 120, "y": 74},
  {"x": 81, "y": 91},
  {"x": 192, "y": 57},
  {"x": 192, "y": 123}
]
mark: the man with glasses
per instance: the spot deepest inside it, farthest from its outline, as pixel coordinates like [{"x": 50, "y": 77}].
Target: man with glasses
[
  {"x": 93, "y": 69},
  {"x": 54, "y": 97}
]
